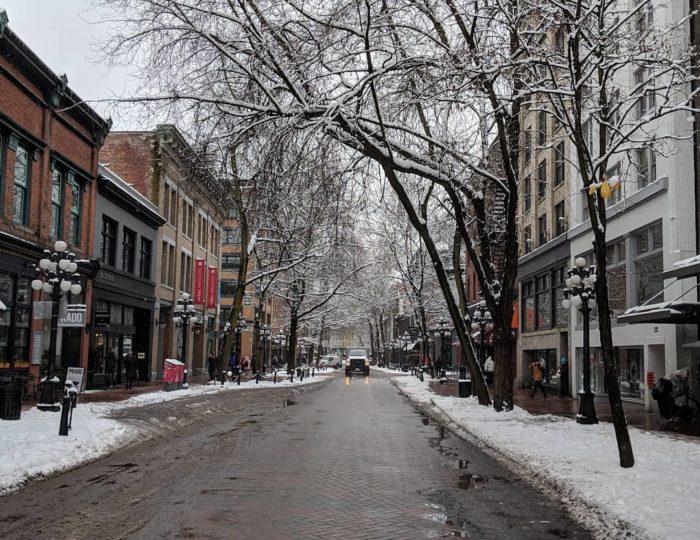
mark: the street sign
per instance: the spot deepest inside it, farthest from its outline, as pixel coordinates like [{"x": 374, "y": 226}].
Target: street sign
[
  {"x": 75, "y": 374},
  {"x": 73, "y": 318},
  {"x": 247, "y": 299}
]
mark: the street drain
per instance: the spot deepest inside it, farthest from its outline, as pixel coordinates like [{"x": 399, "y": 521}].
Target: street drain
[
  {"x": 462, "y": 464},
  {"x": 469, "y": 481},
  {"x": 288, "y": 403}
]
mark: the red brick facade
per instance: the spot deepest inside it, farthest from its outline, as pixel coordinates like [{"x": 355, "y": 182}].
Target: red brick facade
[{"x": 41, "y": 116}]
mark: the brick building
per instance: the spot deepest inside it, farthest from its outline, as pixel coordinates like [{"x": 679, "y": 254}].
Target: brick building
[
  {"x": 49, "y": 143},
  {"x": 162, "y": 166}
]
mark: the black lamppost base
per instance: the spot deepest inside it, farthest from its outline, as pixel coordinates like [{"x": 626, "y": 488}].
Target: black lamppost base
[
  {"x": 49, "y": 396},
  {"x": 586, "y": 410}
]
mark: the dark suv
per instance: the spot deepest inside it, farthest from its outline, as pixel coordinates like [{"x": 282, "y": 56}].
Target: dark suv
[{"x": 357, "y": 360}]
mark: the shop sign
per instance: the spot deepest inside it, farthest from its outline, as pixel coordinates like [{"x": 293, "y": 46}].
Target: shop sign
[
  {"x": 126, "y": 345},
  {"x": 212, "y": 287},
  {"x": 74, "y": 317},
  {"x": 199, "y": 267},
  {"x": 102, "y": 318},
  {"x": 247, "y": 299}
]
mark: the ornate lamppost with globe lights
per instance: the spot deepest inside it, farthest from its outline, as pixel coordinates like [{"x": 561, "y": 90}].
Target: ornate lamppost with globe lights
[
  {"x": 241, "y": 325},
  {"x": 580, "y": 293},
  {"x": 482, "y": 321},
  {"x": 265, "y": 332},
  {"x": 443, "y": 331},
  {"x": 184, "y": 311},
  {"x": 56, "y": 275}
]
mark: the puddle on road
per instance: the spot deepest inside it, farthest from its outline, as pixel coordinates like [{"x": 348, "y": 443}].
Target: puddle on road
[
  {"x": 470, "y": 481},
  {"x": 216, "y": 491}
]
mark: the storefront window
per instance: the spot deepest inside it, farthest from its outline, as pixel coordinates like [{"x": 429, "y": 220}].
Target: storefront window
[
  {"x": 631, "y": 362},
  {"x": 129, "y": 315},
  {"x": 597, "y": 370},
  {"x": 15, "y": 320},
  {"x": 544, "y": 303},
  {"x": 116, "y": 313}
]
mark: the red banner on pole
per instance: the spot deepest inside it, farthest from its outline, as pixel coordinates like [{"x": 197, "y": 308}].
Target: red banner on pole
[
  {"x": 199, "y": 265},
  {"x": 212, "y": 287}
]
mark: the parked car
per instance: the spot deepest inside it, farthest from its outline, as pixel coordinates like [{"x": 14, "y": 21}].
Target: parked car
[
  {"x": 357, "y": 360},
  {"x": 331, "y": 361}
]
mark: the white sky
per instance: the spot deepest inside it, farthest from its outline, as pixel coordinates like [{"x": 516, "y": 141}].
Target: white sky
[{"x": 58, "y": 31}]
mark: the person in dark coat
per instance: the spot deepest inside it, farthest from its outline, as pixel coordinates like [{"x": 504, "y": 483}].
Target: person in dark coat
[
  {"x": 130, "y": 368},
  {"x": 110, "y": 366},
  {"x": 211, "y": 366}
]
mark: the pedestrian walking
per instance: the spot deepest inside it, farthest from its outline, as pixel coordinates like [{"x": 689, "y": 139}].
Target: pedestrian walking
[
  {"x": 130, "y": 368},
  {"x": 537, "y": 369},
  {"x": 488, "y": 370},
  {"x": 110, "y": 366},
  {"x": 211, "y": 366},
  {"x": 245, "y": 364}
]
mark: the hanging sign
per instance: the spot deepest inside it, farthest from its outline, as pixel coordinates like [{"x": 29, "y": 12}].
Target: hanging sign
[
  {"x": 199, "y": 267},
  {"x": 212, "y": 287}
]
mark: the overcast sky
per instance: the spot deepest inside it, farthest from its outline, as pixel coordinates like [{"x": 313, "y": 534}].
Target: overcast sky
[{"x": 58, "y": 31}]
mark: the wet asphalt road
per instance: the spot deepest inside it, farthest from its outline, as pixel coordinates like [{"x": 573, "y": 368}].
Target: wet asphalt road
[{"x": 349, "y": 458}]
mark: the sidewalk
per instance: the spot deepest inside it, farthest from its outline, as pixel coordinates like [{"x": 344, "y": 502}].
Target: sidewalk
[
  {"x": 568, "y": 407},
  {"x": 120, "y": 393}
]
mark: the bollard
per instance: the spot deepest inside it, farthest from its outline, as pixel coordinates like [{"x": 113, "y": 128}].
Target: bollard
[
  {"x": 420, "y": 375},
  {"x": 274, "y": 377},
  {"x": 301, "y": 377},
  {"x": 464, "y": 384},
  {"x": 313, "y": 372},
  {"x": 443, "y": 376},
  {"x": 65, "y": 409},
  {"x": 73, "y": 394},
  {"x": 291, "y": 376},
  {"x": 257, "y": 378},
  {"x": 185, "y": 384}
]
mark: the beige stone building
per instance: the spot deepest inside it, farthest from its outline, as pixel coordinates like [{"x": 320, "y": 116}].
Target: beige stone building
[
  {"x": 163, "y": 167},
  {"x": 544, "y": 250}
]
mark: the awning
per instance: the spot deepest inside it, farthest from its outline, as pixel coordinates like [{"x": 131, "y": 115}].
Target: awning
[
  {"x": 683, "y": 269},
  {"x": 663, "y": 313}
]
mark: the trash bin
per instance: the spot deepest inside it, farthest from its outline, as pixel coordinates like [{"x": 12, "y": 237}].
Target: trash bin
[{"x": 11, "y": 393}]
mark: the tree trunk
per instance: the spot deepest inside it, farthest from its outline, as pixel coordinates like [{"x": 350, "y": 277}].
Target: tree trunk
[
  {"x": 292, "y": 350},
  {"x": 624, "y": 445}
]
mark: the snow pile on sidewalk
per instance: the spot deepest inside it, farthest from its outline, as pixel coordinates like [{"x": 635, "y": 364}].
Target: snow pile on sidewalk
[
  {"x": 391, "y": 371},
  {"x": 31, "y": 447},
  {"x": 656, "y": 498}
]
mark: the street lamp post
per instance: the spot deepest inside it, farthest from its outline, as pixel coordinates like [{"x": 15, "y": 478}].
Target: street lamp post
[
  {"x": 405, "y": 339},
  {"x": 580, "y": 293},
  {"x": 482, "y": 321},
  {"x": 56, "y": 275},
  {"x": 241, "y": 325},
  {"x": 265, "y": 332},
  {"x": 442, "y": 331},
  {"x": 183, "y": 312}
]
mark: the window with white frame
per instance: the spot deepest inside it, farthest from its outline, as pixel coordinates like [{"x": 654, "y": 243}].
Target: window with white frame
[
  {"x": 645, "y": 162},
  {"x": 643, "y": 84},
  {"x": 616, "y": 256},
  {"x": 648, "y": 263}
]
